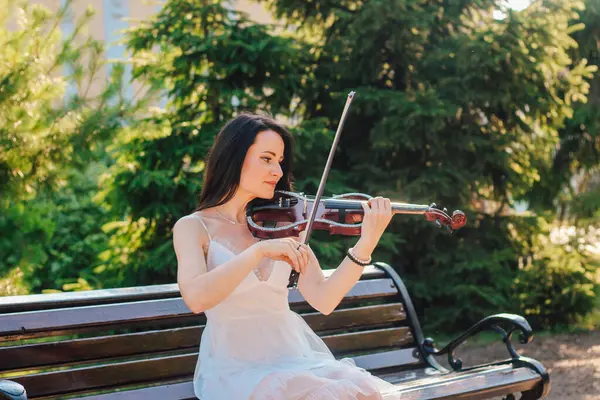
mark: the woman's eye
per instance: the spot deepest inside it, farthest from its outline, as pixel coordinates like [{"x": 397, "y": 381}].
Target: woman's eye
[{"x": 267, "y": 159}]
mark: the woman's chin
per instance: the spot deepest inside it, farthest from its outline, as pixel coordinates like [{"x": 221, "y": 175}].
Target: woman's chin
[{"x": 266, "y": 194}]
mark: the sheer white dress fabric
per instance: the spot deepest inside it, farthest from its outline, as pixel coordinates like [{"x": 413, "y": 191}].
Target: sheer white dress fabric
[{"x": 254, "y": 347}]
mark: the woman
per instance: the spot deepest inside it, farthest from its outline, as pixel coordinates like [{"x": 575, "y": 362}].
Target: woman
[{"x": 254, "y": 346}]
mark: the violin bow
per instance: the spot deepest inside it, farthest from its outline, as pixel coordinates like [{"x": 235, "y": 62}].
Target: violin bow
[{"x": 293, "y": 281}]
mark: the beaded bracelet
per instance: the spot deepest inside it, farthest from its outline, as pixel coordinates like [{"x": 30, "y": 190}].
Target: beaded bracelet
[{"x": 358, "y": 261}]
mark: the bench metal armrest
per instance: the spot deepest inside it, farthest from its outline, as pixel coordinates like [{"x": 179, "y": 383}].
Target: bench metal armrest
[
  {"x": 516, "y": 322},
  {"x": 10, "y": 390}
]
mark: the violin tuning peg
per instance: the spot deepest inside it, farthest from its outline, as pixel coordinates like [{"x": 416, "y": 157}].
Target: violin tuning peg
[{"x": 445, "y": 210}]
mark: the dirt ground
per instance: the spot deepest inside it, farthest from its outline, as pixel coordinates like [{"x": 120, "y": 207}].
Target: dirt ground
[{"x": 573, "y": 361}]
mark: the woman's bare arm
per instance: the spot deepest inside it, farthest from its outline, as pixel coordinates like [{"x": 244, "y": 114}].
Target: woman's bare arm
[
  {"x": 325, "y": 294},
  {"x": 202, "y": 289}
]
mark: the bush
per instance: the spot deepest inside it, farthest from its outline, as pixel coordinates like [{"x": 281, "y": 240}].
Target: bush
[{"x": 556, "y": 283}]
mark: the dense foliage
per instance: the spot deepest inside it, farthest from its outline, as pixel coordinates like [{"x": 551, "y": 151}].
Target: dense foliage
[
  {"x": 456, "y": 107},
  {"x": 453, "y": 106},
  {"x": 51, "y": 149}
]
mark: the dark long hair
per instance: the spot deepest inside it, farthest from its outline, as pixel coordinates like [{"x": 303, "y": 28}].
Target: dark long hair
[{"x": 226, "y": 157}]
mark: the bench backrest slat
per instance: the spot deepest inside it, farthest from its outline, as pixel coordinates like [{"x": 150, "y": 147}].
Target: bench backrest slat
[
  {"x": 368, "y": 340},
  {"x": 129, "y": 344},
  {"x": 110, "y": 375},
  {"x": 10, "y": 304},
  {"x": 14, "y": 326}
]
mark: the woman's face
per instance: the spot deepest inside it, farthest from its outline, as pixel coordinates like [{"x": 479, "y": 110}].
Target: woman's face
[{"x": 262, "y": 169}]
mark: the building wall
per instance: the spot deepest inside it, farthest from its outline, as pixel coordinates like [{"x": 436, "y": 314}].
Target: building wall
[{"x": 112, "y": 16}]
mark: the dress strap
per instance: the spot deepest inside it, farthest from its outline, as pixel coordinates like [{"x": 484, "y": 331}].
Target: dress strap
[{"x": 203, "y": 224}]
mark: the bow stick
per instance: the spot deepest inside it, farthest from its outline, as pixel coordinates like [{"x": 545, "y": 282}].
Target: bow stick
[{"x": 293, "y": 281}]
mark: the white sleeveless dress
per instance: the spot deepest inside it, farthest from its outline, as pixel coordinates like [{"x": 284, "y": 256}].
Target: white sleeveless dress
[{"x": 254, "y": 347}]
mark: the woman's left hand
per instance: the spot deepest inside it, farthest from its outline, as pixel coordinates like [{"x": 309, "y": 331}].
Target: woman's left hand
[{"x": 378, "y": 214}]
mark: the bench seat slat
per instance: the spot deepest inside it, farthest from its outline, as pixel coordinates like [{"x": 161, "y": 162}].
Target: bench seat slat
[
  {"x": 57, "y": 383},
  {"x": 171, "y": 391},
  {"x": 96, "y": 348},
  {"x": 483, "y": 383},
  {"x": 498, "y": 381}
]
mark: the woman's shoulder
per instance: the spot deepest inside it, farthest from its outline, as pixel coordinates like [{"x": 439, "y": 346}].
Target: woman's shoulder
[
  {"x": 200, "y": 215},
  {"x": 192, "y": 224}
]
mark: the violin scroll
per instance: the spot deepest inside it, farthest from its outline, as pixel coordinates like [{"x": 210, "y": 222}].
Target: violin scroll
[{"x": 443, "y": 220}]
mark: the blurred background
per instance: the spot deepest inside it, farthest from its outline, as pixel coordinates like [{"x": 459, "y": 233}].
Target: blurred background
[{"x": 108, "y": 109}]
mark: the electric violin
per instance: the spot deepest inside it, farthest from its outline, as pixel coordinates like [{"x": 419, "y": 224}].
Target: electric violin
[{"x": 287, "y": 215}]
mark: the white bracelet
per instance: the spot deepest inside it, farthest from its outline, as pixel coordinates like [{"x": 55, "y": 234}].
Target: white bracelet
[{"x": 357, "y": 260}]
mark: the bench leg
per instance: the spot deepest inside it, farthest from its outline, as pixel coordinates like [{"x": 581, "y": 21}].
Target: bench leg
[
  {"x": 531, "y": 395},
  {"x": 10, "y": 390},
  {"x": 534, "y": 394}
]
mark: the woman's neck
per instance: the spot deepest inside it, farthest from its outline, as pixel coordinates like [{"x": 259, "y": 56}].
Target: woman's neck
[{"x": 235, "y": 209}]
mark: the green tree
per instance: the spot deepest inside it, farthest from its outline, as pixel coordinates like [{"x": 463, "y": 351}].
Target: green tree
[
  {"x": 453, "y": 107},
  {"x": 558, "y": 282},
  {"x": 577, "y": 154},
  {"x": 210, "y": 62},
  {"x": 51, "y": 142}
]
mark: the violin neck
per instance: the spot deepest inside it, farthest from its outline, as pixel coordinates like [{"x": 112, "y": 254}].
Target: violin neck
[
  {"x": 404, "y": 208},
  {"x": 397, "y": 208}
]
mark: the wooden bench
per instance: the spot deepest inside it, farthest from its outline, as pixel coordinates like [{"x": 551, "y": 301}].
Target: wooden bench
[{"x": 141, "y": 343}]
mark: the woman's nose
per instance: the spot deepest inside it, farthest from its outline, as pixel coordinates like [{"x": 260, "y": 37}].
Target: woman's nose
[{"x": 277, "y": 171}]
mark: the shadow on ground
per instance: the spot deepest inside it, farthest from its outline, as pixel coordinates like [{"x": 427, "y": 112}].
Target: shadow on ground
[{"x": 573, "y": 361}]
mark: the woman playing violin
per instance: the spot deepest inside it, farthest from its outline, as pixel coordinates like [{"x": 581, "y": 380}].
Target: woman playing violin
[{"x": 254, "y": 346}]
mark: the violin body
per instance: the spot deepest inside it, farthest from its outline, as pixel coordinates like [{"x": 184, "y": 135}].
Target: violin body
[{"x": 288, "y": 215}]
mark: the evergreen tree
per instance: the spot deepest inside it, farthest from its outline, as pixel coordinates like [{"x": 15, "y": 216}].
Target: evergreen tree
[
  {"x": 51, "y": 147},
  {"x": 571, "y": 180},
  {"x": 210, "y": 62},
  {"x": 454, "y": 107}
]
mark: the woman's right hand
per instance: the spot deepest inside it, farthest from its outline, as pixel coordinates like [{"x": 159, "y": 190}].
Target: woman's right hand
[{"x": 285, "y": 249}]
